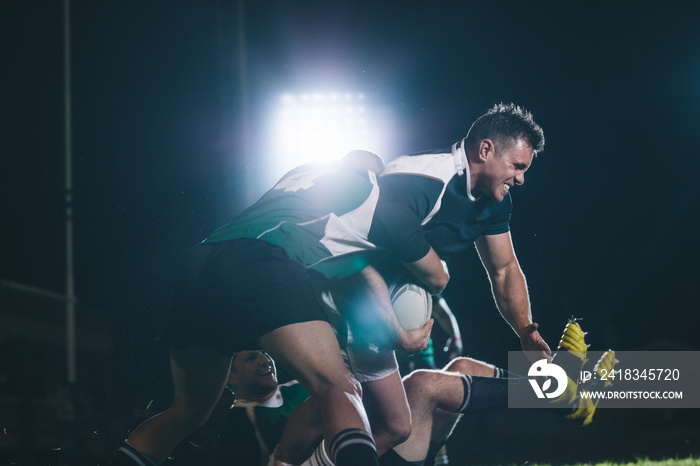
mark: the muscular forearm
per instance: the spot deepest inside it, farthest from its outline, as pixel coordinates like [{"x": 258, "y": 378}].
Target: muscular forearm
[
  {"x": 510, "y": 292},
  {"x": 363, "y": 299},
  {"x": 431, "y": 271},
  {"x": 381, "y": 307}
]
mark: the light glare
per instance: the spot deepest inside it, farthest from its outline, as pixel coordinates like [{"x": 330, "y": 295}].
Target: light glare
[{"x": 317, "y": 127}]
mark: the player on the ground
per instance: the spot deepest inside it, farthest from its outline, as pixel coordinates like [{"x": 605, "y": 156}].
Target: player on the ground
[
  {"x": 260, "y": 410},
  {"x": 438, "y": 400}
]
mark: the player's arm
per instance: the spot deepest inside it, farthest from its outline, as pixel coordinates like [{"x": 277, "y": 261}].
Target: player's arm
[
  {"x": 431, "y": 271},
  {"x": 510, "y": 290},
  {"x": 375, "y": 318},
  {"x": 404, "y": 202}
]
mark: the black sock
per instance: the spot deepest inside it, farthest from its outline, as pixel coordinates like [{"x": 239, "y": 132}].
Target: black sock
[
  {"x": 484, "y": 393},
  {"x": 127, "y": 455},
  {"x": 353, "y": 447},
  {"x": 467, "y": 396}
]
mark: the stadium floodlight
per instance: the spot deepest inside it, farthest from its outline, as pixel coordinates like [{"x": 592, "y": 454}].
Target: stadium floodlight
[{"x": 320, "y": 127}]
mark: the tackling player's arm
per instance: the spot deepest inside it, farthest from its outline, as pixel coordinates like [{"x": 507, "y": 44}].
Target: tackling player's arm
[
  {"x": 407, "y": 341},
  {"x": 510, "y": 290},
  {"x": 431, "y": 271},
  {"x": 380, "y": 323}
]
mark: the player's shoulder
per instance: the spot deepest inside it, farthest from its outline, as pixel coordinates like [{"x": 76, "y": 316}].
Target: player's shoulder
[
  {"x": 433, "y": 164},
  {"x": 293, "y": 390},
  {"x": 311, "y": 169},
  {"x": 331, "y": 174}
]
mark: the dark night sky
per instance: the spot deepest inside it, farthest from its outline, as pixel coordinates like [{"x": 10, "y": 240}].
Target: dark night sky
[{"x": 604, "y": 226}]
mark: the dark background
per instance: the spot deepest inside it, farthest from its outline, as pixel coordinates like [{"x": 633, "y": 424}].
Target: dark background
[{"x": 165, "y": 150}]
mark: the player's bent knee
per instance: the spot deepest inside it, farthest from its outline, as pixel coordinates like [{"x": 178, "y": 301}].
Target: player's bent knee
[
  {"x": 192, "y": 417},
  {"x": 322, "y": 387},
  {"x": 419, "y": 382},
  {"x": 461, "y": 365},
  {"x": 387, "y": 435},
  {"x": 399, "y": 432},
  {"x": 352, "y": 387},
  {"x": 470, "y": 366}
]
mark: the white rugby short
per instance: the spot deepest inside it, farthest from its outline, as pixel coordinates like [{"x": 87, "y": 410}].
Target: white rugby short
[{"x": 366, "y": 361}]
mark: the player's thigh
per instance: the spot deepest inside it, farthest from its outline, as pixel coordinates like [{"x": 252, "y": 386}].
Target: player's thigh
[
  {"x": 199, "y": 376},
  {"x": 386, "y": 404},
  {"x": 309, "y": 351}
]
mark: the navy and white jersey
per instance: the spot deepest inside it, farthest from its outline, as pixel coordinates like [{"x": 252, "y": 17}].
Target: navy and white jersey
[
  {"x": 323, "y": 216},
  {"x": 337, "y": 220},
  {"x": 434, "y": 188}
]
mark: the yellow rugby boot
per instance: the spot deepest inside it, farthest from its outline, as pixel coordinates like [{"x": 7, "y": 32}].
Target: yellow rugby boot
[
  {"x": 573, "y": 340},
  {"x": 584, "y": 407}
]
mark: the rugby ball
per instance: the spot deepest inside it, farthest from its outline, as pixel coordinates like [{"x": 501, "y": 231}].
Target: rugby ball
[{"x": 412, "y": 303}]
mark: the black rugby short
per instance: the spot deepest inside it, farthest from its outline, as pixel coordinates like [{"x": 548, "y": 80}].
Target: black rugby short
[{"x": 228, "y": 294}]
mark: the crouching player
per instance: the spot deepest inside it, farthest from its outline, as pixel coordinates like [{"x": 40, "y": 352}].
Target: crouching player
[{"x": 439, "y": 398}]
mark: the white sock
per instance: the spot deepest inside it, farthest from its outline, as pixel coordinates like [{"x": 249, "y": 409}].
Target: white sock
[{"x": 319, "y": 457}]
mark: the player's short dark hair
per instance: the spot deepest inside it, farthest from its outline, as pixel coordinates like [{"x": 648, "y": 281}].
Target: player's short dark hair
[{"x": 505, "y": 124}]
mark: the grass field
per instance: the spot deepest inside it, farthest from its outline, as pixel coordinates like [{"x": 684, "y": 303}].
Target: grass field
[{"x": 690, "y": 461}]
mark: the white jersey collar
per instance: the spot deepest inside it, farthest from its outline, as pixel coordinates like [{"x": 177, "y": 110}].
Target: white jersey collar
[
  {"x": 462, "y": 165},
  {"x": 275, "y": 401}
]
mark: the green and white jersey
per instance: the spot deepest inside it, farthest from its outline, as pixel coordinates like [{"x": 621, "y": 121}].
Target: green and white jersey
[
  {"x": 270, "y": 417},
  {"x": 319, "y": 214}
]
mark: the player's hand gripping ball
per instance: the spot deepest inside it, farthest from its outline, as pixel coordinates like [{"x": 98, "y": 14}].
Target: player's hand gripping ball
[{"x": 412, "y": 303}]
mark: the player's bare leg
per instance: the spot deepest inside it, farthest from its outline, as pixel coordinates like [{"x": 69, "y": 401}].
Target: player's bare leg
[
  {"x": 428, "y": 390},
  {"x": 302, "y": 433},
  {"x": 385, "y": 403},
  {"x": 310, "y": 352},
  {"x": 444, "y": 422},
  {"x": 199, "y": 377},
  {"x": 388, "y": 410},
  {"x": 437, "y": 399},
  {"x": 471, "y": 366}
]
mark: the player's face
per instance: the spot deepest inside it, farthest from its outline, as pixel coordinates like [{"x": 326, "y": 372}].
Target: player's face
[
  {"x": 254, "y": 371},
  {"x": 505, "y": 169}
]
